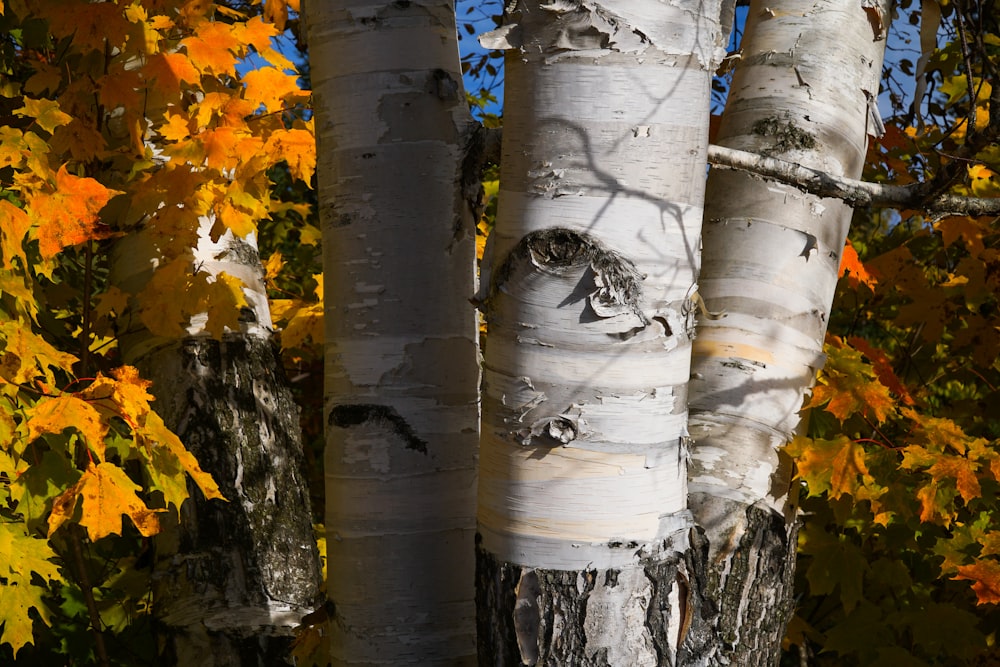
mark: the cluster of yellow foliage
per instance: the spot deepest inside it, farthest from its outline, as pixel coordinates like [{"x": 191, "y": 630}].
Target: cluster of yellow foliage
[{"x": 120, "y": 116}]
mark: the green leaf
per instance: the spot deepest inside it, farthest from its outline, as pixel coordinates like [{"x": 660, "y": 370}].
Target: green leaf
[{"x": 23, "y": 555}]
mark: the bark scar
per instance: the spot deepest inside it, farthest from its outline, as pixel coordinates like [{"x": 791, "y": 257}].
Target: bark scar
[{"x": 356, "y": 414}]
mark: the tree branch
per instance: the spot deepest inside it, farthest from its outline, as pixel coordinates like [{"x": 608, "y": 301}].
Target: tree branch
[{"x": 853, "y": 192}]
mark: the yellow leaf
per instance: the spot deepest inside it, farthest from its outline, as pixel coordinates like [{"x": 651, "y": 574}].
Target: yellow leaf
[
  {"x": 107, "y": 494},
  {"x": 28, "y": 356},
  {"x": 23, "y": 555},
  {"x": 56, "y": 414},
  {"x": 155, "y": 432},
  {"x": 273, "y": 265},
  {"x": 298, "y": 148},
  {"x": 45, "y": 112},
  {"x": 14, "y": 226},
  {"x": 211, "y": 48},
  {"x": 270, "y": 86}
]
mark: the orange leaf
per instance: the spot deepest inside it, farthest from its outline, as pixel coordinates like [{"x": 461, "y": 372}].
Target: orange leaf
[
  {"x": 270, "y": 86},
  {"x": 211, "y": 48},
  {"x": 986, "y": 575},
  {"x": 883, "y": 368},
  {"x": 297, "y": 148},
  {"x": 830, "y": 465},
  {"x": 169, "y": 70},
  {"x": 69, "y": 215},
  {"x": 847, "y": 385},
  {"x": 854, "y": 270}
]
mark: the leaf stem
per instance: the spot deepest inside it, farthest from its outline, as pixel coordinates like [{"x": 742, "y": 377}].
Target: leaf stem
[{"x": 76, "y": 540}]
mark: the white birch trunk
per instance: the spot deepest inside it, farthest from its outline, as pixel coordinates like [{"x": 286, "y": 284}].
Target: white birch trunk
[
  {"x": 583, "y": 519},
  {"x": 402, "y": 367},
  {"x": 234, "y": 578},
  {"x": 770, "y": 263}
]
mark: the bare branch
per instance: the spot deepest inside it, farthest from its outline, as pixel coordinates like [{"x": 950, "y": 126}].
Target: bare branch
[{"x": 853, "y": 192}]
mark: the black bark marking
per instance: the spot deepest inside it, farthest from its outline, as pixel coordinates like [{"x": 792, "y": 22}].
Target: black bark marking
[
  {"x": 811, "y": 244},
  {"x": 356, "y": 414}
]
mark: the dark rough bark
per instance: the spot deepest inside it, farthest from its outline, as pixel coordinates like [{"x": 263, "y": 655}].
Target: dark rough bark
[
  {"x": 532, "y": 616},
  {"x": 234, "y": 577},
  {"x": 743, "y": 593},
  {"x": 733, "y": 611}
]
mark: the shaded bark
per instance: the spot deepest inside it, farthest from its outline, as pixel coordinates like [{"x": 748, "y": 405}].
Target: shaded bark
[{"x": 398, "y": 176}]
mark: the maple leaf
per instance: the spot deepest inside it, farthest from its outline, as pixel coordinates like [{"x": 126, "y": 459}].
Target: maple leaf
[
  {"x": 269, "y": 86},
  {"x": 56, "y": 414},
  {"x": 28, "y": 356},
  {"x": 854, "y": 270},
  {"x": 107, "y": 493},
  {"x": 830, "y": 465},
  {"x": 169, "y": 71},
  {"x": 298, "y": 148},
  {"x": 155, "y": 432},
  {"x": 45, "y": 112},
  {"x": 211, "y": 48},
  {"x": 14, "y": 226},
  {"x": 847, "y": 385},
  {"x": 69, "y": 214},
  {"x": 23, "y": 555},
  {"x": 883, "y": 368},
  {"x": 986, "y": 575}
]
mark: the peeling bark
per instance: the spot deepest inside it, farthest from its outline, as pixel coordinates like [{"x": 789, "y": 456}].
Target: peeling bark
[
  {"x": 770, "y": 260},
  {"x": 589, "y": 284}
]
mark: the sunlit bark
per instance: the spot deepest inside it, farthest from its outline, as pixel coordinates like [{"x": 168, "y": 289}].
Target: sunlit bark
[{"x": 770, "y": 265}]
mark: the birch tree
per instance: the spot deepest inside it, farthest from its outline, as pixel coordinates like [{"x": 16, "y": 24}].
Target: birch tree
[
  {"x": 803, "y": 91},
  {"x": 398, "y": 192},
  {"x": 585, "y": 555}
]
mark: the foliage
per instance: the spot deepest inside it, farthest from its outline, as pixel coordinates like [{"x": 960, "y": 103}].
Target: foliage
[
  {"x": 117, "y": 117},
  {"x": 900, "y": 548}
]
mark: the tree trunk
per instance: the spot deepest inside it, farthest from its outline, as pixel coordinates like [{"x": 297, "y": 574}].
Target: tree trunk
[
  {"x": 234, "y": 578},
  {"x": 398, "y": 192},
  {"x": 584, "y": 555},
  {"x": 770, "y": 265}
]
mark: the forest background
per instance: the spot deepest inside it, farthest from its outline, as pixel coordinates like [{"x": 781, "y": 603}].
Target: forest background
[{"x": 899, "y": 468}]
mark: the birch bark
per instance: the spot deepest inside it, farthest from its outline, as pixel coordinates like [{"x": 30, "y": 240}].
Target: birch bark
[
  {"x": 583, "y": 520},
  {"x": 770, "y": 265},
  {"x": 233, "y": 578},
  {"x": 397, "y": 190}
]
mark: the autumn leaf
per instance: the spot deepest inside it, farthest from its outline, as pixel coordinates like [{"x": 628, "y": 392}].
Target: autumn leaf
[
  {"x": 23, "y": 555},
  {"x": 45, "y": 112},
  {"x": 155, "y": 433},
  {"x": 269, "y": 86},
  {"x": 107, "y": 493},
  {"x": 883, "y": 368},
  {"x": 170, "y": 70},
  {"x": 985, "y": 573},
  {"x": 14, "y": 226},
  {"x": 211, "y": 48},
  {"x": 56, "y": 414},
  {"x": 298, "y": 148},
  {"x": 852, "y": 268},
  {"x": 68, "y": 214},
  {"x": 836, "y": 466},
  {"x": 847, "y": 385}
]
